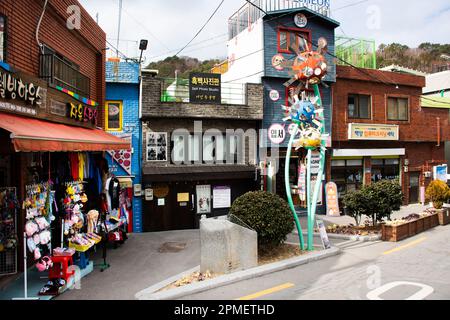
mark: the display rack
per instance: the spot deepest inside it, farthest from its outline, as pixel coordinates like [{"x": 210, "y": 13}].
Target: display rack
[{"x": 8, "y": 230}]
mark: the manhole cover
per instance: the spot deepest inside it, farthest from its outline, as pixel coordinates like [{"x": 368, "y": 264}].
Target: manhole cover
[{"x": 172, "y": 247}]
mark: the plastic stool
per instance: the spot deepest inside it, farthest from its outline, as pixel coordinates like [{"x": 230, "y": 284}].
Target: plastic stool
[{"x": 60, "y": 268}]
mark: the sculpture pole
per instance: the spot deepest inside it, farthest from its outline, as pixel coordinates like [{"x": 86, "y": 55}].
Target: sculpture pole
[{"x": 288, "y": 188}]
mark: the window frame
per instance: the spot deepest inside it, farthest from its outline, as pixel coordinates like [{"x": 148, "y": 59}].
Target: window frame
[
  {"x": 107, "y": 103},
  {"x": 407, "y": 98},
  {"x": 357, "y": 106},
  {"x": 156, "y": 146},
  {"x": 289, "y": 31},
  {"x": 5, "y": 37}
]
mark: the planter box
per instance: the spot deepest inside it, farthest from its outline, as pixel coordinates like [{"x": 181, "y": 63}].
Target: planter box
[
  {"x": 444, "y": 216},
  {"x": 409, "y": 229}
]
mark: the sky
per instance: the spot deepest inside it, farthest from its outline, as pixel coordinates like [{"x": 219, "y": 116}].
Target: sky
[{"x": 170, "y": 24}]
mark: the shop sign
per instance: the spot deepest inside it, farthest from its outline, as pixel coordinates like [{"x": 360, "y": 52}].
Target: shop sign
[
  {"x": 301, "y": 182},
  {"x": 274, "y": 95},
  {"x": 277, "y": 62},
  {"x": 313, "y": 186},
  {"x": 183, "y": 197},
  {"x": 277, "y": 133},
  {"x": 300, "y": 20},
  {"x": 123, "y": 157},
  {"x": 82, "y": 113},
  {"x": 205, "y": 88},
  {"x": 161, "y": 202},
  {"x": 315, "y": 162},
  {"x": 221, "y": 197},
  {"x": 15, "y": 89},
  {"x": 331, "y": 195},
  {"x": 203, "y": 199},
  {"x": 21, "y": 109},
  {"x": 358, "y": 131},
  {"x": 161, "y": 191},
  {"x": 440, "y": 173}
]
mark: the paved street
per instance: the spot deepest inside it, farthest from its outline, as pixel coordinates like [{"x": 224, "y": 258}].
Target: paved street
[{"x": 423, "y": 259}]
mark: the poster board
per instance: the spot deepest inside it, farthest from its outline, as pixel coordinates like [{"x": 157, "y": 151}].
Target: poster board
[
  {"x": 203, "y": 199},
  {"x": 221, "y": 197},
  {"x": 331, "y": 195}
]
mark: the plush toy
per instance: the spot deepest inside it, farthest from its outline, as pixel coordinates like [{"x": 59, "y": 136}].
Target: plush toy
[
  {"x": 31, "y": 228},
  {"x": 44, "y": 264},
  {"x": 31, "y": 245},
  {"x": 42, "y": 223},
  {"x": 45, "y": 237}
]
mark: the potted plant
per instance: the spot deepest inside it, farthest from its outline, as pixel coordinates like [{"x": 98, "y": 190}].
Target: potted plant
[{"x": 438, "y": 192}]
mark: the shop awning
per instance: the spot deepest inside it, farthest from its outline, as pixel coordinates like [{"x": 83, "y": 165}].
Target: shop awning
[
  {"x": 435, "y": 102},
  {"x": 34, "y": 135}
]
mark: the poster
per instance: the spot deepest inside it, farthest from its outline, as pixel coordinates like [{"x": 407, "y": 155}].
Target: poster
[
  {"x": 440, "y": 173},
  {"x": 183, "y": 197},
  {"x": 203, "y": 201},
  {"x": 123, "y": 157},
  {"x": 156, "y": 146},
  {"x": 301, "y": 182},
  {"x": 331, "y": 195},
  {"x": 221, "y": 197}
]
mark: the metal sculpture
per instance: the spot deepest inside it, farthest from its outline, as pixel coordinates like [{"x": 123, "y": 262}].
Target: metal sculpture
[{"x": 306, "y": 113}]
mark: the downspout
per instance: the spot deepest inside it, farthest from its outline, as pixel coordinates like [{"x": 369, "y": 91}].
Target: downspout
[{"x": 438, "y": 132}]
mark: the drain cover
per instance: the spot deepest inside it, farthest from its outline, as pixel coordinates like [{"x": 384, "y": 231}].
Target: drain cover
[{"x": 172, "y": 247}]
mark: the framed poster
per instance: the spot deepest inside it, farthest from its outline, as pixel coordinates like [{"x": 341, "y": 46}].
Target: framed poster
[
  {"x": 156, "y": 146},
  {"x": 221, "y": 197},
  {"x": 203, "y": 202}
]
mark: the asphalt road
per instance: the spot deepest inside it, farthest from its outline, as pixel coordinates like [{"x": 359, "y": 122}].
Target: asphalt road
[{"x": 416, "y": 268}]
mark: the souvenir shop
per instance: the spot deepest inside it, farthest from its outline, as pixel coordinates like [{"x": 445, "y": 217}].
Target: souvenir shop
[{"x": 60, "y": 208}]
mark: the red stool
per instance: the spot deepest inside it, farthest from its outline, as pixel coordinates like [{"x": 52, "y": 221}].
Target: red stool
[{"x": 60, "y": 268}]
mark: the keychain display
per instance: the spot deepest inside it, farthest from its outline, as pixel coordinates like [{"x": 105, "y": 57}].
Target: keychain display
[{"x": 39, "y": 215}]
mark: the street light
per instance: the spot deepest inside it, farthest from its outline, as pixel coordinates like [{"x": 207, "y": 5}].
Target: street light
[{"x": 142, "y": 46}]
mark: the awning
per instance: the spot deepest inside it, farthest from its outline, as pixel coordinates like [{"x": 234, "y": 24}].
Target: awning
[
  {"x": 435, "y": 102},
  {"x": 368, "y": 152},
  {"x": 34, "y": 135}
]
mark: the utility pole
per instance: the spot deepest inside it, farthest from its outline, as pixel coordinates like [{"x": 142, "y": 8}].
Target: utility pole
[{"x": 118, "y": 29}]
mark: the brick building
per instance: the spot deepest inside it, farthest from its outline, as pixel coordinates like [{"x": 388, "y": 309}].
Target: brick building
[
  {"x": 51, "y": 92},
  {"x": 380, "y": 131},
  {"x": 191, "y": 164}
]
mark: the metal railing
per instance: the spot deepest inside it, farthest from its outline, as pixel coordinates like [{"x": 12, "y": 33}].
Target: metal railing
[
  {"x": 177, "y": 90},
  {"x": 60, "y": 73}
]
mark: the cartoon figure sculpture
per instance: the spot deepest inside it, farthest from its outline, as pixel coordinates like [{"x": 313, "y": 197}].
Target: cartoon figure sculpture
[{"x": 308, "y": 68}]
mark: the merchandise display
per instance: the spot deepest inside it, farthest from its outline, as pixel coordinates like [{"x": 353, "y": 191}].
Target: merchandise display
[{"x": 8, "y": 232}]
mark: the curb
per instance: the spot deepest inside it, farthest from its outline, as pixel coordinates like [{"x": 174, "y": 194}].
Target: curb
[
  {"x": 347, "y": 237},
  {"x": 150, "y": 294}
]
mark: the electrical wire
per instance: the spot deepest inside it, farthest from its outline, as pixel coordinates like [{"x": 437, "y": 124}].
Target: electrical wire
[
  {"x": 41, "y": 47},
  {"x": 201, "y": 29}
]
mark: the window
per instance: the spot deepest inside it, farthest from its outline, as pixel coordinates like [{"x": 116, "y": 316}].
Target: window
[
  {"x": 359, "y": 106},
  {"x": 385, "y": 169},
  {"x": 156, "y": 146},
  {"x": 243, "y": 20},
  {"x": 297, "y": 38},
  {"x": 2, "y": 38},
  {"x": 215, "y": 148},
  {"x": 397, "y": 109},
  {"x": 232, "y": 28},
  {"x": 347, "y": 174},
  {"x": 114, "y": 114}
]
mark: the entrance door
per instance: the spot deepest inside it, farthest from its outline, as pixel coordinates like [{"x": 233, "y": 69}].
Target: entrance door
[{"x": 414, "y": 187}]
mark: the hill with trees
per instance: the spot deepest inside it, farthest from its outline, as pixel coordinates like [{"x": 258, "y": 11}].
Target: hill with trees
[{"x": 184, "y": 65}]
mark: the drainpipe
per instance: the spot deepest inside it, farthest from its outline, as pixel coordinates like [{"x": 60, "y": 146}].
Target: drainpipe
[{"x": 438, "y": 132}]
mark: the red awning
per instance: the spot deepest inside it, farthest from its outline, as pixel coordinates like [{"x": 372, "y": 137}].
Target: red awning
[{"x": 34, "y": 135}]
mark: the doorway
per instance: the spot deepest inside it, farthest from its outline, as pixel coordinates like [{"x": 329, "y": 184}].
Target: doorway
[{"x": 414, "y": 187}]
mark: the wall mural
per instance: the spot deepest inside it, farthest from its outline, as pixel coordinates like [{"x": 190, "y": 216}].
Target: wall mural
[{"x": 307, "y": 123}]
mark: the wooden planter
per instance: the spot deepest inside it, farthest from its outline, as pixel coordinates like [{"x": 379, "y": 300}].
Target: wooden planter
[
  {"x": 409, "y": 229},
  {"x": 444, "y": 216}
]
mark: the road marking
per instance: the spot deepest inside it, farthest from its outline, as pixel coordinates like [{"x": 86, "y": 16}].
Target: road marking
[
  {"x": 412, "y": 243},
  {"x": 424, "y": 292},
  {"x": 267, "y": 291}
]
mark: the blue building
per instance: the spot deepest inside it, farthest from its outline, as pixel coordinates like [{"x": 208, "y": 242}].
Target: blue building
[
  {"x": 258, "y": 43},
  {"x": 122, "y": 119}
]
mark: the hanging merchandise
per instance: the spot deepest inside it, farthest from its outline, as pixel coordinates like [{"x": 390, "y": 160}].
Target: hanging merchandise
[
  {"x": 39, "y": 215},
  {"x": 8, "y": 232}
]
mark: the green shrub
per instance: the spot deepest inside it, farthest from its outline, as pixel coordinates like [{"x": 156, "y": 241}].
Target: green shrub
[
  {"x": 376, "y": 201},
  {"x": 437, "y": 192},
  {"x": 266, "y": 213}
]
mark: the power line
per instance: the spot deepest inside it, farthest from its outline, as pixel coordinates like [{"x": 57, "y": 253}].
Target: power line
[{"x": 201, "y": 29}]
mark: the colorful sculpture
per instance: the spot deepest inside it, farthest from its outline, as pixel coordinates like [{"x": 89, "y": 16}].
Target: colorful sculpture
[{"x": 308, "y": 68}]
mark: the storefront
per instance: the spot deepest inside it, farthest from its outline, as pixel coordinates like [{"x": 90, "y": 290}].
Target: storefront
[{"x": 57, "y": 196}]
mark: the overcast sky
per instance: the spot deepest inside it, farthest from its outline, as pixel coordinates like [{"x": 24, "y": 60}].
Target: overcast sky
[{"x": 170, "y": 24}]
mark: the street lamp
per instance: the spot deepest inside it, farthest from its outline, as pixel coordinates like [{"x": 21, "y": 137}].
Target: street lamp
[{"x": 142, "y": 46}]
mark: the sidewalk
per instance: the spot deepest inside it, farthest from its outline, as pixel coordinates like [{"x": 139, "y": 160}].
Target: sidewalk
[{"x": 343, "y": 220}]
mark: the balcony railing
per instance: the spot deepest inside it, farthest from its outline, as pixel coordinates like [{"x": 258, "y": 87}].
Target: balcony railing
[{"x": 60, "y": 73}]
